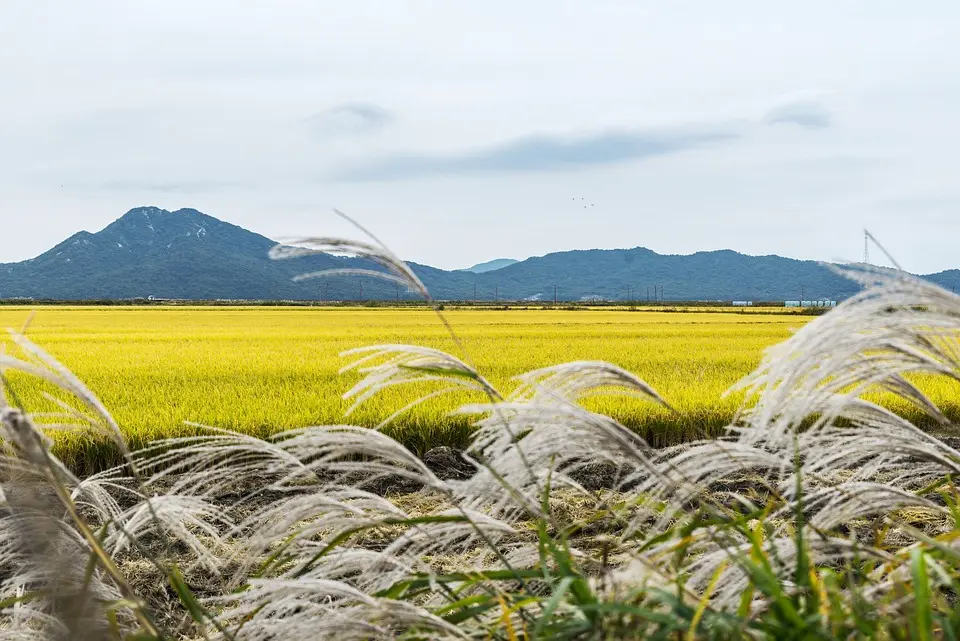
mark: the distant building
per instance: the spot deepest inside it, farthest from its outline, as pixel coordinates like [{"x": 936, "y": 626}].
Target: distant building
[
  {"x": 743, "y": 303},
  {"x": 810, "y": 303}
]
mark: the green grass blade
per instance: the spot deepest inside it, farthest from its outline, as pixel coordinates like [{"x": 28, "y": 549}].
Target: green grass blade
[
  {"x": 552, "y": 605},
  {"x": 922, "y": 602}
]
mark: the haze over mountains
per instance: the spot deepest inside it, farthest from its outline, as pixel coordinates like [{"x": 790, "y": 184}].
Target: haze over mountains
[{"x": 187, "y": 254}]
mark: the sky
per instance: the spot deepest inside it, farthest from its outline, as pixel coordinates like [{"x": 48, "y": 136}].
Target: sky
[{"x": 461, "y": 132}]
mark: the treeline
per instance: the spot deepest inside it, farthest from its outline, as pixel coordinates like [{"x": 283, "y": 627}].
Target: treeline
[{"x": 770, "y": 307}]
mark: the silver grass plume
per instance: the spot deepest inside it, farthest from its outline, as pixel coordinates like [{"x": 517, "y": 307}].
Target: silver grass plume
[
  {"x": 40, "y": 553},
  {"x": 898, "y": 326},
  {"x": 395, "y": 270},
  {"x": 386, "y": 366}
]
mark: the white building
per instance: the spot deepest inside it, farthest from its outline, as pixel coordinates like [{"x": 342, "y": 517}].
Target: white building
[{"x": 810, "y": 303}]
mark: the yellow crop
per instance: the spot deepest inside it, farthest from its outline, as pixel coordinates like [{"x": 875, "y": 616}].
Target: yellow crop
[{"x": 265, "y": 369}]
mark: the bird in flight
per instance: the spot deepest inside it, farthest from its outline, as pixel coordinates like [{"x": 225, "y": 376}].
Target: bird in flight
[{"x": 585, "y": 205}]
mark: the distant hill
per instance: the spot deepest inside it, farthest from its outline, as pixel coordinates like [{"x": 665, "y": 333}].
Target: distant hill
[
  {"x": 181, "y": 254},
  {"x": 492, "y": 265},
  {"x": 187, "y": 254}
]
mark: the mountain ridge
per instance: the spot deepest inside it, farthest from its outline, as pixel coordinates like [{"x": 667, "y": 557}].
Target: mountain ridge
[
  {"x": 190, "y": 255},
  {"x": 491, "y": 265}
]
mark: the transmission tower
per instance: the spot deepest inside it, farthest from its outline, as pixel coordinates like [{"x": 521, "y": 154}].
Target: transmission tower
[{"x": 866, "y": 247}]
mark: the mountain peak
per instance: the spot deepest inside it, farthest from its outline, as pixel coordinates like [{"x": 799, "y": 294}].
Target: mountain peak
[
  {"x": 145, "y": 212},
  {"x": 156, "y": 220},
  {"x": 150, "y": 251},
  {"x": 151, "y": 213}
]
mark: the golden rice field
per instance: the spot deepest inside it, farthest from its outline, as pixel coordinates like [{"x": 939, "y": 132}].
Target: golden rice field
[{"x": 266, "y": 369}]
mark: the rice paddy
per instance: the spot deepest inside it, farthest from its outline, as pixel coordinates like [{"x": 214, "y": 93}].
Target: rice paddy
[{"x": 264, "y": 369}]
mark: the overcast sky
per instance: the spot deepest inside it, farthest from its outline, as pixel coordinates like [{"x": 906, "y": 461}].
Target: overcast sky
[{"x": 465, "y": 131}]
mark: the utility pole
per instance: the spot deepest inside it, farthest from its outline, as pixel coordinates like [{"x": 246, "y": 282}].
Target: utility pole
[
  {"x": 497, "y": 293},
  {"x": 361, "y": 289},
  {"x": 398, "y": 292},
  {"x": 801, "y": 295},
  {"x": 648, "y": 294},
  {"x": 474, "y": 291},
  {"x": 554, "y": 295}
]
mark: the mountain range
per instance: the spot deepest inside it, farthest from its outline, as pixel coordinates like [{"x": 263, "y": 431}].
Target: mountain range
[{"x": 186, "y": 254}]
